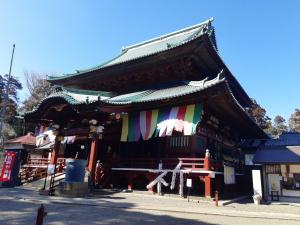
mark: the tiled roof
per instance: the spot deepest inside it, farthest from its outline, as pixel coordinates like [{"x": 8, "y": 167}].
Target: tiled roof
[
  {"x": 182, "y": 89},
  {"x": 75, "y": 96},
  {"x": 158, "y": 93},
  {"x": 28, "y": 139},
  {"x": 285, "y": 139},
  {"x": 285, "y": 149},
  {"x": 79, "y": 97},
  {"x": 153, "y": 46},
  {"x": 279, "y": 154}
]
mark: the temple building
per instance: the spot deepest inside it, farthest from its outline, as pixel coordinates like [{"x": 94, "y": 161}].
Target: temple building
[{"x": 162, "y": 112}]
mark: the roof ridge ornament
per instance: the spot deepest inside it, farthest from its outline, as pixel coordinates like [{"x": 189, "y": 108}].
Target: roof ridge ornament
[
  {"x": 205, "y": 82},
  {"x": 198, "y": 83},
  {"x": 217, "y": 79}
]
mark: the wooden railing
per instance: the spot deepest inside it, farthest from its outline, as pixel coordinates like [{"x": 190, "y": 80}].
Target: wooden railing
[
  {"x": 36, "y": 168},
  {"x": 152, "y": 163},
  {"x": 41, "y": 162},
  {"x": 37, "y": 162},
  {"x": 31, "y": 174}
]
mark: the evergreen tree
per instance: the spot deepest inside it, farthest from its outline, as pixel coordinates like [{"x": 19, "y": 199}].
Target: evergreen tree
[{"x": 11, "y": 104}]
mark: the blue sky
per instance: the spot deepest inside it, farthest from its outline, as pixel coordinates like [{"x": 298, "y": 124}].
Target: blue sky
[{"x": 258, "y": 40}]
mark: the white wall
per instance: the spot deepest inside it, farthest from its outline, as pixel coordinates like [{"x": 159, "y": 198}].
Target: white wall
[{"x": 292, "y": 193}]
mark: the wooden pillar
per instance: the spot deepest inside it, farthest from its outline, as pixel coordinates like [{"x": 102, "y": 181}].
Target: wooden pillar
[
  {"x": 93, "y": 157},
  {"x": 207, "y": 179},
  {"x": 207, "y": 160},
  {"x": 53, "y": 161},
  {"x": 55, "y": 151},
  {"x": 208, "y": 186}
]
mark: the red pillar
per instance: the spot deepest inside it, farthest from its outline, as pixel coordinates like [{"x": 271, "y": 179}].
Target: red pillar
[
  {"x": 93, "y": 157},
  {"x": 208, "y": 186},
  {"x": 207, "y": 160},
  {"x": 55, "y": 151},
  {"x": 207, "y": 179}
]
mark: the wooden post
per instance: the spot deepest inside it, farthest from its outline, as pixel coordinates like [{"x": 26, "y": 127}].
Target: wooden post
[
  {"x": 208, "y": 186},
  {"x": 93, "y": 157},
  {"x": 217, "y": 198},
  {"x": 207, "y": 160},
  {"x": 207, "y": 179},
  {"x": 55, "y": 151},
  {"x": 40, "y": 215}
]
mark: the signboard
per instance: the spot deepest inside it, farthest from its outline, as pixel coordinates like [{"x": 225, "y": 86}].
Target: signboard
[
  {"x": 8, "y": 163},
  {"x": 229, "y": 175},
  {"x": 51, "y": 168},
  {"x": 189, "y": 182},
  {"x": 256, "y": 179}
]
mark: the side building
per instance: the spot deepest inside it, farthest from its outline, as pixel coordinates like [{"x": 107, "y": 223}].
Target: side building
[
  {"x": 280, "y": 160},
  {"x": 165, "y": 106}
]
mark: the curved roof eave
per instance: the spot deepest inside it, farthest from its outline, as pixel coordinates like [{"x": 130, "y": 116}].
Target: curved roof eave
[
  {"x": 247, "y": 99},
  {"x": 262, "y": 133},
  {"x": 204, "y": 28}
]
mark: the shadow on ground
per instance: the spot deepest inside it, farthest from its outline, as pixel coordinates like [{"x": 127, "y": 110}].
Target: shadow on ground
[{"x": 22, "y": 211}]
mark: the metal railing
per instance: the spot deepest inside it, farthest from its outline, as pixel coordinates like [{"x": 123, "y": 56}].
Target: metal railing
[{"x": 55, "y": 179}]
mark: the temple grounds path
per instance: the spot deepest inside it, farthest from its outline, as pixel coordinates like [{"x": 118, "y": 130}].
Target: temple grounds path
[{"x": 18, "y": 206}]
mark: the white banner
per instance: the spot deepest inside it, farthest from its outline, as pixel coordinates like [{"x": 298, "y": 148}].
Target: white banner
[{"x": 256, "y": 179}]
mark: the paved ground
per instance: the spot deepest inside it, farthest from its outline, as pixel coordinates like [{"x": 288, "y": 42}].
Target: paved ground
[{"x": 18, "y": 206}]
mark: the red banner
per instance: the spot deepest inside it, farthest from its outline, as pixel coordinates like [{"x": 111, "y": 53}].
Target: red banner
[{"x": 7, "y": 165}]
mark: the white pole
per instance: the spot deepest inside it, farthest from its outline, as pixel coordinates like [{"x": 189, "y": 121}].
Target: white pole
[
  {"x": 159, "y": 183},
  {"x": 181, "y": 182}
]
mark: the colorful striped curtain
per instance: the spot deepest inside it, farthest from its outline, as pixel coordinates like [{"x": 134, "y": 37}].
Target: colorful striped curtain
[
  {"x": 148, "y": 121},
  {"x": 134, "y": 132},
  {"x": 162, "y": 122},
  {"x": 124, "y": 133}
]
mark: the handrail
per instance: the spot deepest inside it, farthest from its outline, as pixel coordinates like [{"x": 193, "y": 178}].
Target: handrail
[
  {"x": 41, "y": 161},
  {"x": 192, "y": 163}
]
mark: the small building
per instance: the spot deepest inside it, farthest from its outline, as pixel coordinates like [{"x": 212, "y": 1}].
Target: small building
[
  {"x": 24, "y": 145},
  {"x": 15, "y": 154},
  {"x": 280, "y": 160}
]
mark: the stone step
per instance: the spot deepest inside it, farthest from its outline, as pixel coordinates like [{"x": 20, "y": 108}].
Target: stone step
[{"x": 72, "y": 189}]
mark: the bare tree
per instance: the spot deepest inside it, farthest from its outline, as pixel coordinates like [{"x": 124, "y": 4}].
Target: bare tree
[{"x": 38, "y": 88}]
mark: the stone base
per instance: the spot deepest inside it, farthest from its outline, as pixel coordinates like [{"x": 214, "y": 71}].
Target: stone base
[{"x": 72, "y": 189}]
